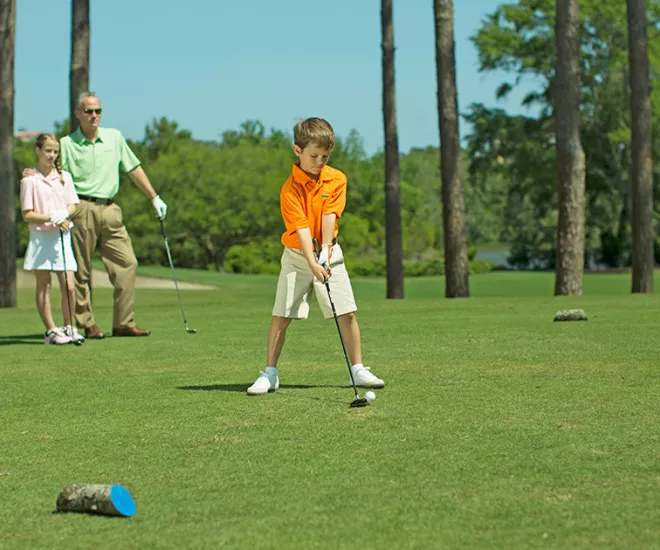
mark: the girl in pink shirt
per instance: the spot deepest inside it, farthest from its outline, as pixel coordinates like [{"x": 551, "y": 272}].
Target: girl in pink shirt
[{"x": 48, "y": 198}]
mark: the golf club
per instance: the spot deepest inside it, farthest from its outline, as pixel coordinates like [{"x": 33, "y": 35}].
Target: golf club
[
  {"x": 66, "y": 284},
  {"x": 358, "y": 401},
  {"x": 176, "y": 284}
]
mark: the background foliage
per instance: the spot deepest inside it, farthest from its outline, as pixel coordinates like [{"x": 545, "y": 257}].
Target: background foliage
[{"x": 224, "y": 195}]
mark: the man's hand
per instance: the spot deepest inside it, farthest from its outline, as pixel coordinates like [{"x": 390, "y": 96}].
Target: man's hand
[
  {"x": 160, "y": 206},
  {"x": 27, "y": 172},
  {"x": 320, "y": 273}
]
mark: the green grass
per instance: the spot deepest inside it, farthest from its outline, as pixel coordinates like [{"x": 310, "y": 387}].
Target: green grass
[{"x": 497, "y": 429}]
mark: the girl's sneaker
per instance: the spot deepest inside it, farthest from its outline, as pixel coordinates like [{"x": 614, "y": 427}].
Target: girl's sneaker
[
  {"x": 72, "y": 332},
  {"x": 54, "y": 336}
]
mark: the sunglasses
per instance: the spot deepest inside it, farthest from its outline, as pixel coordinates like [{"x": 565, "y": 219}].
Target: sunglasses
[{"x": 91, "y": 111}]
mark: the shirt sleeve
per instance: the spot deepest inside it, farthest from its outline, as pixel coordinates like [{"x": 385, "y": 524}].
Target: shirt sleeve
[
  {"x": 71, "y": 195},
  {"x": 292, "y": 211},
  {"x": 337, "y": 201},
  {"x": 27, "y": 194},
  {"x": 127, "y": 159},
  {"x": 64, "y": 155}
]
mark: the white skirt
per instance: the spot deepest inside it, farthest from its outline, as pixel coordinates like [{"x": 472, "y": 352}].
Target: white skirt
[{"x": 44, "y": 252}]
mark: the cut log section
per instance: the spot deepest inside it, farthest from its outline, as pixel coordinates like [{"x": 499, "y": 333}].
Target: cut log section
[
  {"x": 109, "y": 500},
  {"x": 571, "y": 315}
]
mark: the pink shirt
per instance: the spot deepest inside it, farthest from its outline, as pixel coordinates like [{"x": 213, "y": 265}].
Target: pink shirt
[{"x": 47, "y": 195}]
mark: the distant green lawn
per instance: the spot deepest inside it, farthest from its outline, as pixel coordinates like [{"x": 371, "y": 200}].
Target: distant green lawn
[{"x": 497, "y": 428}]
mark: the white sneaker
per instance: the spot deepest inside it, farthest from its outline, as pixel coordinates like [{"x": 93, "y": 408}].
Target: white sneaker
[
  {"x": 363, "y": 377},
  {"x": 73, "y": 333},
  {"x": 267, "y": 382},
  {"x": 54, "y": 336}
]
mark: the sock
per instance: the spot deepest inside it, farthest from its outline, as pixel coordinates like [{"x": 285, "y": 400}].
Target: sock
[
  {"x": 357, "y": 366},
  {"x": 271, "y": 372}
]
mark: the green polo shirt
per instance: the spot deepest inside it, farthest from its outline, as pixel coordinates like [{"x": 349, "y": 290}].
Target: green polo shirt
[{"x": 95, "y": 165}]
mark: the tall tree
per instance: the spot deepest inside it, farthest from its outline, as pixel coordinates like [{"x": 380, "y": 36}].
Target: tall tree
[
  {"x": 453, "y": 202},
  {"x": 393, "y": 239},
  {"x": 79, "y": 72},
  {"x": 7, "y": 170},
  {"x": 570, "y": 155},
  {"x": 517, "y": 43},
  {"x": 642, "y": 164}
]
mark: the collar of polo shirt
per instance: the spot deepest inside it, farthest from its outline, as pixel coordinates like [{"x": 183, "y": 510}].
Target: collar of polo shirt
[
  {"x": 81, "y": 138},
  {"x": 301, "y": 177},
  {"x": 53, "y": 177}
]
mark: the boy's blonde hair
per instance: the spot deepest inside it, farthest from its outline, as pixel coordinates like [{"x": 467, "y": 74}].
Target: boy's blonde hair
[{"x": 315, "y": 131}]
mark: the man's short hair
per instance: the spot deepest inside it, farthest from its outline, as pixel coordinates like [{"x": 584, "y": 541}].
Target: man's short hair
[
  {"x": 315, "y": 131},
  {"x": 84, "y": 95}
]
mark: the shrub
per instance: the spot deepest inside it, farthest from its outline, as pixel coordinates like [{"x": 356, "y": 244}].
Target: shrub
[{"x": 254, "y": 258}]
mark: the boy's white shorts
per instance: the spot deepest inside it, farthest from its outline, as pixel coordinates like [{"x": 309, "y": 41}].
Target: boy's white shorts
[{"x": 294, "y": 287}]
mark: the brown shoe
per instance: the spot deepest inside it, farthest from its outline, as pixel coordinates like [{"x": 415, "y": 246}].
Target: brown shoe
[
  {"x": 93, "y": 333},
  {"x": 130, "y": 331}
]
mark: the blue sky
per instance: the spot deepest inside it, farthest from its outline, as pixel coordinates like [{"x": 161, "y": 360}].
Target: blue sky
[{"x": 211, "y": 64}]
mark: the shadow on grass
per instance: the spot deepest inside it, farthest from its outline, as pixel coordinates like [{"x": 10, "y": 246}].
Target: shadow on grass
[
  {"x": 33, "y": 339},
  {"x": 242, "y": 388}
]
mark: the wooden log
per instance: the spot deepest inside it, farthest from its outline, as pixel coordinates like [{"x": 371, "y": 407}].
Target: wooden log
[
  {"x": 109, "y": 500},
  {"x": 570, "y": 315}
]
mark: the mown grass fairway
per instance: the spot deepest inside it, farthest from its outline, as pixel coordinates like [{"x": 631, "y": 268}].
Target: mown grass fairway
[{"x": 497, "y": 428}]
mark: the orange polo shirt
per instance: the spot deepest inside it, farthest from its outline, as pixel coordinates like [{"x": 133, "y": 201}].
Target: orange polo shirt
[{"x": 303, "y": 202}]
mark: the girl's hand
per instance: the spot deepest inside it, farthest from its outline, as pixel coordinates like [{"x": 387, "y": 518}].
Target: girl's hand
[
  {"x": 65, "y": 225},
  {"x": 58, "y": 217}
]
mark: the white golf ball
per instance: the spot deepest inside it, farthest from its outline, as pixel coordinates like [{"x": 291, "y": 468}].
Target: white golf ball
[{"x": 370, "y": 396}]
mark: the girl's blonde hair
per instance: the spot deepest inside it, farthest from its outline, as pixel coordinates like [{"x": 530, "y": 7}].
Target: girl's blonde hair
[{"x": 41, "y": 141}]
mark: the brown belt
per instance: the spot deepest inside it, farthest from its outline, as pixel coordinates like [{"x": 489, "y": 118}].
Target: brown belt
[{"x": 97, "y": 200}]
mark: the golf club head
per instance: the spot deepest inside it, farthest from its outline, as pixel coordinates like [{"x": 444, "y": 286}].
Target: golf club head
[
  {"x": 191, "y": 330},
  {"x": 359, "y": 402},
  {"x": 77, "y": 343}
]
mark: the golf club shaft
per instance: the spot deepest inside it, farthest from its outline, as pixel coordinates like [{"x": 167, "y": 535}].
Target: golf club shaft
[
  {"x": 341, "y": 339},
  {"x": 176, "y": 284},
  {"x": 317, "y": 249},
  {"x": 66, "y": 280}
]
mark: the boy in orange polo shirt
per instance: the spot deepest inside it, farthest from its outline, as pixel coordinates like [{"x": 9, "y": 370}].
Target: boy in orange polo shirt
[{"x": 312, "y": 200}]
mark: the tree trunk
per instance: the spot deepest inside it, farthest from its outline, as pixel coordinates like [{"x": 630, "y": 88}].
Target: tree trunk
[
  {"x": 570, "y": 155},
  {"x": 79, "y": 72},
  {"x": 393, "y": 244},
  {"x": 642, "y": 163},
  {"x": 453, "y": 202},
  {"x": 109, "y": 500},
  {"x": 7, "y": 169}
]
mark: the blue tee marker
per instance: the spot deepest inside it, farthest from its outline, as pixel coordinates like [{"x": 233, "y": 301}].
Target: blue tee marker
[
  {"x": 122, "y": 501},
  {"x": 109, "y": 500}
]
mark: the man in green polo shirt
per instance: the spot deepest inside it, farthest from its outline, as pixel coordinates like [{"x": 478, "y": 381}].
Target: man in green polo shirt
[{"x": 93, "y": 156}]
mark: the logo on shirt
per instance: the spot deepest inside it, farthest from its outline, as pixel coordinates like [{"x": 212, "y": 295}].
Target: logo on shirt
[{"x": 324, "y": 195}]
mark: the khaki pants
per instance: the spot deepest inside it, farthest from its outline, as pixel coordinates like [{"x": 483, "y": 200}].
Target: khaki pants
[{"x": 101, "y": 228}]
